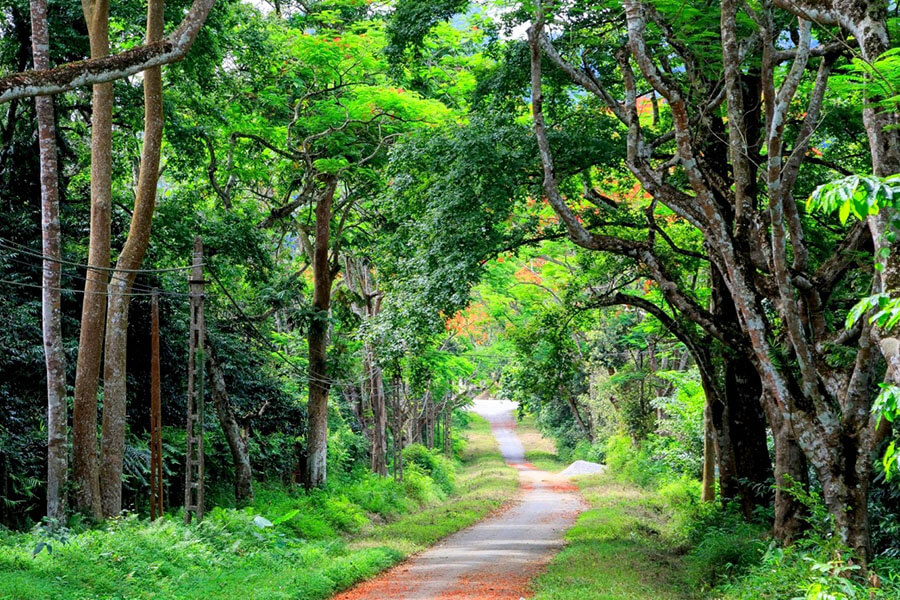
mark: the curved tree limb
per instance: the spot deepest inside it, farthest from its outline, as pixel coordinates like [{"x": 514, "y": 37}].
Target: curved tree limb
[{"x": 73, "y": 75}]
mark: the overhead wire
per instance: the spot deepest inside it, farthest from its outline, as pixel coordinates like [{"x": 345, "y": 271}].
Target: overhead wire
[
  {"x": 137, "y": 286},
  {"x": 142, "y": 289},
  {"x": 74, "y": 291},
  {"x": 11, "y": 245}
]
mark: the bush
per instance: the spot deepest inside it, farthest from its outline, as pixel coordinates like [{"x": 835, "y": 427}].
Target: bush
[
  {"x": 433, "y": 464},
  {"x": 813, "y": 569},
  {"x": 638, "y": 465},
  {"x": 378, "y": 495},
  {"x": 583, "y": 450},
  {"x": 419, "y": 486},
  {"x": 726, "y": 547}
]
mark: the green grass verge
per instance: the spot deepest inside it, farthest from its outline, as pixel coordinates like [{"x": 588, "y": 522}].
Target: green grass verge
[
  {"x": 617, "y": 549},
  {"x": 306, "y": 554},
  {"x": 539, "y": 450}
]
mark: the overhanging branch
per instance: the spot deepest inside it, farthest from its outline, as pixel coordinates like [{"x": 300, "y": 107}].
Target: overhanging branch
[{"x": 108, "y": 68}]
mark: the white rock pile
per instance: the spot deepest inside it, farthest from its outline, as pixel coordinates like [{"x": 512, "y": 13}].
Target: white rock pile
[{"x": 583, "y": 467}]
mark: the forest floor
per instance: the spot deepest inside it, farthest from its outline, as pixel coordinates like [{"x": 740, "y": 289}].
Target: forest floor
[{"x": 496, "y": 558}]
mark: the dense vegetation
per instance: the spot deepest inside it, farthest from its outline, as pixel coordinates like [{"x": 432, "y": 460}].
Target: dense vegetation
[{"x": 666, "y": 229}]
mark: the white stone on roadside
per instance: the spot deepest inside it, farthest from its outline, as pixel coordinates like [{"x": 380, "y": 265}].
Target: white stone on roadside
[{"x": 583, "y": 467}]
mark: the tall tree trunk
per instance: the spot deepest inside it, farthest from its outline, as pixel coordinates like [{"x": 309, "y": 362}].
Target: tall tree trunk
[
  {"x": 429, "y": 421},
  {"x": 708, "y": 491},
  {"x": 747, "y": 424},
  {"x": 237, "y": 443},
  {"x": 319, "y": 384},
  {"x": 790, "y": 469},
  {"x": 576, "y": 414},
  {"x": 744, "y": 464},
  {"x": 379, "y": 416},
  {"x": 93, "y": 310},
  {"x": 397, "y": 425},
  {"x": 359, "y": 278},
  {"x": 448, "y": 425},
  {"x": 112, "y": 448},
  {"x": 51, "y": 312}
]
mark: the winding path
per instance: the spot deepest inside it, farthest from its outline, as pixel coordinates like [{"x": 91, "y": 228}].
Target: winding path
[{"x": 497, "y": 557}]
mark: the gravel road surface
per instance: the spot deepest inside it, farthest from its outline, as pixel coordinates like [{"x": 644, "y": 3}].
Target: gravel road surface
[{"x": 497, "y": 557}]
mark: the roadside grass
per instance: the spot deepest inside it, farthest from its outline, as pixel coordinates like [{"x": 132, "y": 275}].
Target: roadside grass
[
  {"x": 627, "y": 546},
  {"x": 539, "y": 450},
  {"x": 617, "y": 550},
  {"x": 306, "y": 547}
]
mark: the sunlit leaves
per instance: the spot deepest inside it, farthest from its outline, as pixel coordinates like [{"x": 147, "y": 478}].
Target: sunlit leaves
[{"x": 857, "y": 195}]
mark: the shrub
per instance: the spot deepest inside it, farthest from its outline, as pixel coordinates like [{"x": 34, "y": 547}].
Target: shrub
[
  {"x": 813, "y": 569},
  {"x": 433, "y": 464},
  {"x": 727, "y": 549},
  {"x": 419, "y": 486},
  {"x": 379, "y": 495}
]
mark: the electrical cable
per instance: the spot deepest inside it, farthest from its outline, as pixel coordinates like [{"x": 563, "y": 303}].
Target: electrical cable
[
  {"x": 41, "y": 287},
  {"x": 114, "y": 276},
  {"x": 136, "y": 286},
  {"x": 11, "y": 245}
]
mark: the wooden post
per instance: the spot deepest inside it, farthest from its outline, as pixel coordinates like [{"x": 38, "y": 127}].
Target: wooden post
[
  {"x": 193, "y": 471},
  {"x": 156, "y": 471}
]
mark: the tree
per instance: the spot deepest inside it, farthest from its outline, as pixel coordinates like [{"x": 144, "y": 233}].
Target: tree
[
  {"x": 93, "y": 312},
  {"x": 51, "y": 305},
  {"x": 826, "y": 405},
  {"x": 311, "y": 145},
  {"x": 101, "y": 68},
  {"x": 112, "y": 448},
  {"x": 367, "y": 305},
  {"x": 237, "y": 442}
]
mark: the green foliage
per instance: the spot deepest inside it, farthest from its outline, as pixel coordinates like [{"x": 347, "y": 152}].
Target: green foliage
[
  {"x": 811, "y": 570},
  {"x": 433, "y": 463},
  {"x": 411, "y": 21},
  {"x": 858, "y": 195}
]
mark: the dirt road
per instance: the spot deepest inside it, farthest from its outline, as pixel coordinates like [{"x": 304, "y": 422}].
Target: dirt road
[{"x": 497, "y": 557}]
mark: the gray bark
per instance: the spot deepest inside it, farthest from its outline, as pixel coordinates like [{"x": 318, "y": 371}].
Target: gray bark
[
  {"x": 102, "y": 68},
  {"x": 51, "y": 312},
  {"x": 234, "y": 435}
]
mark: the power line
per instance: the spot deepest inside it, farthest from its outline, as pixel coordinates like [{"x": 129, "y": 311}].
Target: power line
[
  {"x": 147, "y": 289},
  {"x": 15, "y": 247},
  {"x": 58, "y": 289}
]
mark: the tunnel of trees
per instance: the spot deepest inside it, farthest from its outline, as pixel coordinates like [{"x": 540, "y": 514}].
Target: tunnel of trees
[{"x": 663, "y": 225}]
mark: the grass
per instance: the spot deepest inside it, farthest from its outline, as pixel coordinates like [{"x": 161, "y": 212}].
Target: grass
[
  {"x": 317, "y": 543},
  {"x": 539, "y": 450},
  {"x": 617, "y": 549},
  {"x": 621, "y": 548},
  {"x": 646, "y": 536}
]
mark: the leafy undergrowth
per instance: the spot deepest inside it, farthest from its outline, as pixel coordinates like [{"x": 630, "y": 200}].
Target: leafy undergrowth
[{"x": 289, "y": 545}]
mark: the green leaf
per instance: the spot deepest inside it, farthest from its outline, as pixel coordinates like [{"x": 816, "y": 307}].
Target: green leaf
[
  {"x": 889, "y": 460},
  {"x": 286, "y": 516},
  {"x": 844, "y": 212}
]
